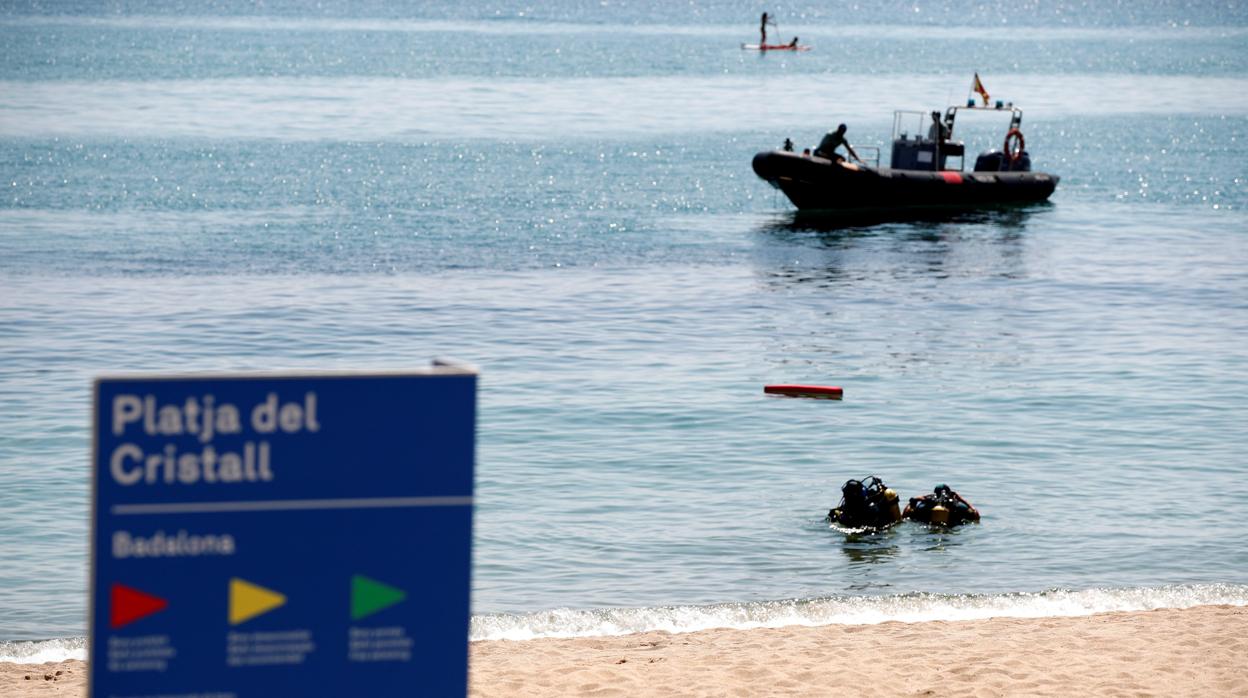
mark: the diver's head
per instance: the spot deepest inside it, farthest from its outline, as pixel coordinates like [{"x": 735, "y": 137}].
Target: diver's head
[{"x": 841, "y": 128}]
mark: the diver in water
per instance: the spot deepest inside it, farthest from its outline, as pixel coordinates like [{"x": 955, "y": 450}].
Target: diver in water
[
  {"x": 866, "y": 504},
  {"x": 943, "y": 507}
]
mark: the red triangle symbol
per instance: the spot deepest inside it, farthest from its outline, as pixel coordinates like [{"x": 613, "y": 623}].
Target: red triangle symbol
[{"x": 129, "y": 605}]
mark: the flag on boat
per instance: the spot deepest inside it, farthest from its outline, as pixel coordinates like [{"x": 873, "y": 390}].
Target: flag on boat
[{"x": 979, "y": 87}]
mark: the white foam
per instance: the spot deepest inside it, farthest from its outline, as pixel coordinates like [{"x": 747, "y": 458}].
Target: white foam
[
  {"x": 41, "y": 651},
  {"x": 850, "y": 610},
  {"x": 838, "y": 610}
]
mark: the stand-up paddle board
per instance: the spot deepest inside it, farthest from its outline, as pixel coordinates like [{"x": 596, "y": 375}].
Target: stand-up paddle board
[{"x": 773, "y": 47}]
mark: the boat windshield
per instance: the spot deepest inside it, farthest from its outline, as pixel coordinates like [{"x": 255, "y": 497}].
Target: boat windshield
[
  {"x": 1016, "y": 114},
  {"x": 911, "y": 125}
]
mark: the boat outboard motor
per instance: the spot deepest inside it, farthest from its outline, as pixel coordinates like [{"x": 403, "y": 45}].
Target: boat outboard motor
[
  {"x": 866, "y": 504},
  {"x": 943, "y": 507},
  {"x": 996, "y": 161}
]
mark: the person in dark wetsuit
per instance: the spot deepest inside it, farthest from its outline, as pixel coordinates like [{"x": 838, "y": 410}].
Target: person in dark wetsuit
[
  {"x": 938, "y": 132},
  {"x": 832, "y": 141},
  {"x": 943, "y": 507},
  {"x": 762, "y": 29},
  {"x": 867, "y": 504}
]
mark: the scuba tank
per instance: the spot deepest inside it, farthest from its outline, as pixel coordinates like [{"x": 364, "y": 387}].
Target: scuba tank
[
  {"x": 894, "y": 510},
  {"x": 943, "y": 507},
  {"x": 867, "y": 503}
]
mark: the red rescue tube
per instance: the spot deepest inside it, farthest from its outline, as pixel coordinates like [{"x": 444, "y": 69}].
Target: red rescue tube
[{"x": 826, "y": 392}]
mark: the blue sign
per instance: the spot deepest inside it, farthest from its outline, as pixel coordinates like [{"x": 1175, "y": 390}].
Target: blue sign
[{"x": 282, "y": 535}]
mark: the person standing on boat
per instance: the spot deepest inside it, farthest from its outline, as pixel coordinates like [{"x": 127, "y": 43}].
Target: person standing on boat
[
  {"x": 939, "y": 132},
  {"x": 762, "y": 29},
  {"x": 832, "y": 141}
]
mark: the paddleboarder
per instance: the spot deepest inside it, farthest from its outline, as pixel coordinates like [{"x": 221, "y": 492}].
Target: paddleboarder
[{"x": 762, "y": 29}]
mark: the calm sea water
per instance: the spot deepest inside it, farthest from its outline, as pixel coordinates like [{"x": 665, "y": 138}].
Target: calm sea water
[{"x": 562, "y": 195}]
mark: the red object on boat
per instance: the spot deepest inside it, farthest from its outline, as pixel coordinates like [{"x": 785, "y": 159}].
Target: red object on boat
[{"x": 826, "y": 392}]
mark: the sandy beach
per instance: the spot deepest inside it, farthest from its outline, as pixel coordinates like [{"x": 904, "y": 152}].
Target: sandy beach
[
  {"x": 1200, "y": 651},
  {"x": 67, "y": 678}
]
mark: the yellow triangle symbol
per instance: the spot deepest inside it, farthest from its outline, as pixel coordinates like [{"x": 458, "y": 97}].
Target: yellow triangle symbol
[{"x": 249, "y": 600}]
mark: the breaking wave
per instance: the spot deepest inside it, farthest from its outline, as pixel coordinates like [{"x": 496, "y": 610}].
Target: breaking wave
[
  {"x": 849, "y": 610},
  {"x": 40, "y": 651},
  {"x": 834, "y": 610}
]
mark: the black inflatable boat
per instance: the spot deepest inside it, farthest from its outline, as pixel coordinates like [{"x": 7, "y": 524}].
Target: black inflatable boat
[{"x": 922, "y": 172}]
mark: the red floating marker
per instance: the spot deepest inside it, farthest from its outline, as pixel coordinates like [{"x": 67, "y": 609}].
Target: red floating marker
[
  {"x": 825, "y": 392},
  {"x": 129, "y": 605}
]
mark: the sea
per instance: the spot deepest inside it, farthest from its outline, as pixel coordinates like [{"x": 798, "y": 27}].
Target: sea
[{"x": 560, "y": 193}]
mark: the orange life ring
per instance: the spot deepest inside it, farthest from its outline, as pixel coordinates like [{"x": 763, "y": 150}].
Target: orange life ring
[{"x": 1013, "y": 154}]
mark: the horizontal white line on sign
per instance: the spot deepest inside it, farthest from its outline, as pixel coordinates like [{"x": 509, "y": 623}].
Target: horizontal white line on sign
[{"x": 289, "y": 505}]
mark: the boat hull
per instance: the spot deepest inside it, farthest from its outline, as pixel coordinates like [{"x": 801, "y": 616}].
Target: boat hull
[{"x": 813, "y": 183}]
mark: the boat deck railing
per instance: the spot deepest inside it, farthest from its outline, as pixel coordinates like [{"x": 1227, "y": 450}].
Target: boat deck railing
[{"x": 875, "y": 158}]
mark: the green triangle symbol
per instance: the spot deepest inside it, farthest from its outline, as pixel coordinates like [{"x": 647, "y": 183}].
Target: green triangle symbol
[{"x": 369, "y": 596}]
